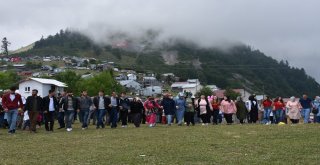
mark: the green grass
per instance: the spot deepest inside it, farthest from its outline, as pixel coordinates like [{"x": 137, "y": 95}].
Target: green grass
[{"x": 236, "y": 144}]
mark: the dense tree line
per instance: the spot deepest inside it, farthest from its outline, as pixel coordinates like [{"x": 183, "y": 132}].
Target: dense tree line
[{"x": 234, "y": 67}]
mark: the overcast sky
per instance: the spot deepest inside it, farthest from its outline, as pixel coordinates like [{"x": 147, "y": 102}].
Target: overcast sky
[{"x": 283, "y": 29}]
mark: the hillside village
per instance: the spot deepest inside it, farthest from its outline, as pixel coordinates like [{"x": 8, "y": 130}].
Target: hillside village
[{"x": 142, "y": 84}]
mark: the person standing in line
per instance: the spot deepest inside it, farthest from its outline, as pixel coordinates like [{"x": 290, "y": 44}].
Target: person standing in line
[
  {"x": 101, "y": 103},
  {"x": 11, "y": 101},
  {"x": 242, "y": 111},
  {"x": 85, "y": 102},
  {"x": 216, "y": 109},
  {"x": 203, "y": 106},
  {"x": 136, "y": 110},
  {"x": 316, "y": 109},
  {"x": 228, "y": 107},
  {"x": 69, "y": 104},
  {"x": 253, "y": 109},
  {"x": 189, "y": 117},
  {"x": 279, "y": 109},
  {"x": 267, "y": 107},
  {"x": 151, "y": 107},
  {"x": 294, "y": 108},
  {"x": 181, "y": 106},
  {"x": 50, "y": 106},
  {"x": 114, "y": 106},
  {"x": 306, "y": 104},
  {"x": 168, "y": 106},
  {"x": 124, "y": 109},
  {"x": 34, "y": 106},
  {"x": 61, "y": 114}
]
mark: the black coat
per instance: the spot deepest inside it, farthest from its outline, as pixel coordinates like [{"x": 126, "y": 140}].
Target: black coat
[
  {"x": 107, "y": 102},
  {"x": 136, "y": 107},
  {"x": 29, "y": 104},
  {"x": 46, "y": 103}
]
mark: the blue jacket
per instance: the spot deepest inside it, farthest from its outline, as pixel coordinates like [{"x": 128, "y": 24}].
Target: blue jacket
[
  {"x": 182, "y": 104},
  {"x": 168, "y": 106}
]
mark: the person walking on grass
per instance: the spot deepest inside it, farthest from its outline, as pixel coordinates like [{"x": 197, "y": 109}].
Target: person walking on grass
[
  {"x": 136, "y": 110},
  {"x": 151, "y": 107},
  {"x": 215, "y": 110},
  {"x": 181, "y": 106},
  {"x": 306, "y": 104},
  {"x": 189, "y": 115},
  {"x": 50, "y": 107},
  {"x": 278, "y": 109},
  {"x": 242, "y": 111},
  {"x": 11, "y": 101},
  {"x": 168, "y": 106},
  {"x": 294, "y": 108},
  {"x": 267, "y": 107},
  {"x": 34, "y": 106},
  {"x": 114, "y": 106},
  {"x": 316, "y": 109},
  {"x": 85, "y": 102},
  {"x": 69, "y": 104},
  {"x": 124, "y": 109},
  {"x": 101, "y": 103},
  {"x": 203, "y": 106},
  {"x": 228, "y": 107},
  {"x": 253, "y": 109},
  {"x": 61, "y": 114}
]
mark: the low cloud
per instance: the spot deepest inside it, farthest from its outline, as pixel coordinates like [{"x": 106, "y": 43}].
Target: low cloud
[{"x": 286, "y": 29}]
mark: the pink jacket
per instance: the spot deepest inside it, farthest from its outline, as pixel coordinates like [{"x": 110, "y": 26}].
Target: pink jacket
[{"x": 228, "y": 107}]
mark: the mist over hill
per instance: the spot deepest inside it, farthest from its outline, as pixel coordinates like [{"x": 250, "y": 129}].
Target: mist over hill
[{"x": 227, "y": 65}]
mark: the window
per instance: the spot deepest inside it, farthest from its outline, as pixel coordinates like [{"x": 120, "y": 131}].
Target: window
[{"x": 27, "y": 89}]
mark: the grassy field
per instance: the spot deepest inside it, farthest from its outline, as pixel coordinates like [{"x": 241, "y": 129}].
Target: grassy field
[{"x": 236, "y": 144}]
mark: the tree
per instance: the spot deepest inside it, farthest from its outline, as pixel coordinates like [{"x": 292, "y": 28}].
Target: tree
[
  {"x": 231, "y": 93},
  {"x": 205, "y": 91},
  {"x": 103, "y": 81},
  {"x": 70, "y": 78},
  {"x": 5, "y": 45},
  {"x": 8, "y": 79}
]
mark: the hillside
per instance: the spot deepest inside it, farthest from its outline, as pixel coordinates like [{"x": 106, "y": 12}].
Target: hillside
[{"x": 236, "y": 67}]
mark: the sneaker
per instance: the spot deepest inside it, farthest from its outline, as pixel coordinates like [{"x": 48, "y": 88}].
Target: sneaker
[
  {"x": 83, "y": 128},
  {"x": 203, "y": 124},
  {"x": 69, "y": 129},
  {"x": 123, "y": 126},
  {"x": 150, "y": 125}
]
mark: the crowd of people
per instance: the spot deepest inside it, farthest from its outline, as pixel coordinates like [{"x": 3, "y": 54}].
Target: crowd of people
[{"x": 184, "y": 109}]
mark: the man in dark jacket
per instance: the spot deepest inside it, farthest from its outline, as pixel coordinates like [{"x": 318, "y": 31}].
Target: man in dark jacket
[
  {"x": 101, "y": 103},
  {"x": 50, "y": 106},
  {"x": 34, "y": 106},
  {"x": 69, "y": 104},
  {"x": 60, "y": 116},
  {"x": 169, "y": 107},
  {"x": 85, "y": 102},
  {"x": 124, "y": 108},
  {"x": 10, "y": 103}
]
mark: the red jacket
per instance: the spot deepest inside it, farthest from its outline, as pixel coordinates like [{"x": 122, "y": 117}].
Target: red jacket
[
  {"x": 278, "y": 105},
  {"x": 267, "y": 103},
  {"x": 10, "y": 105}
]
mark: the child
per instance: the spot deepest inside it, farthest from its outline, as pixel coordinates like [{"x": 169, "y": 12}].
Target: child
[{"x": 26, "y": 121}]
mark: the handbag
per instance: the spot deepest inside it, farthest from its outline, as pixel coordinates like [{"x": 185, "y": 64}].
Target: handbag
[{"x": 315, "y": 110}]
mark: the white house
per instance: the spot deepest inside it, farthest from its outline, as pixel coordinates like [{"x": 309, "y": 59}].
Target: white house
[
  {"x": 130, "y": 84},
  {"x": 42, "y": 85},
  {"x": 191, "y": 85},
  {"x": 132, "y": 77},
  {"x": 151, "y": 91}
]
